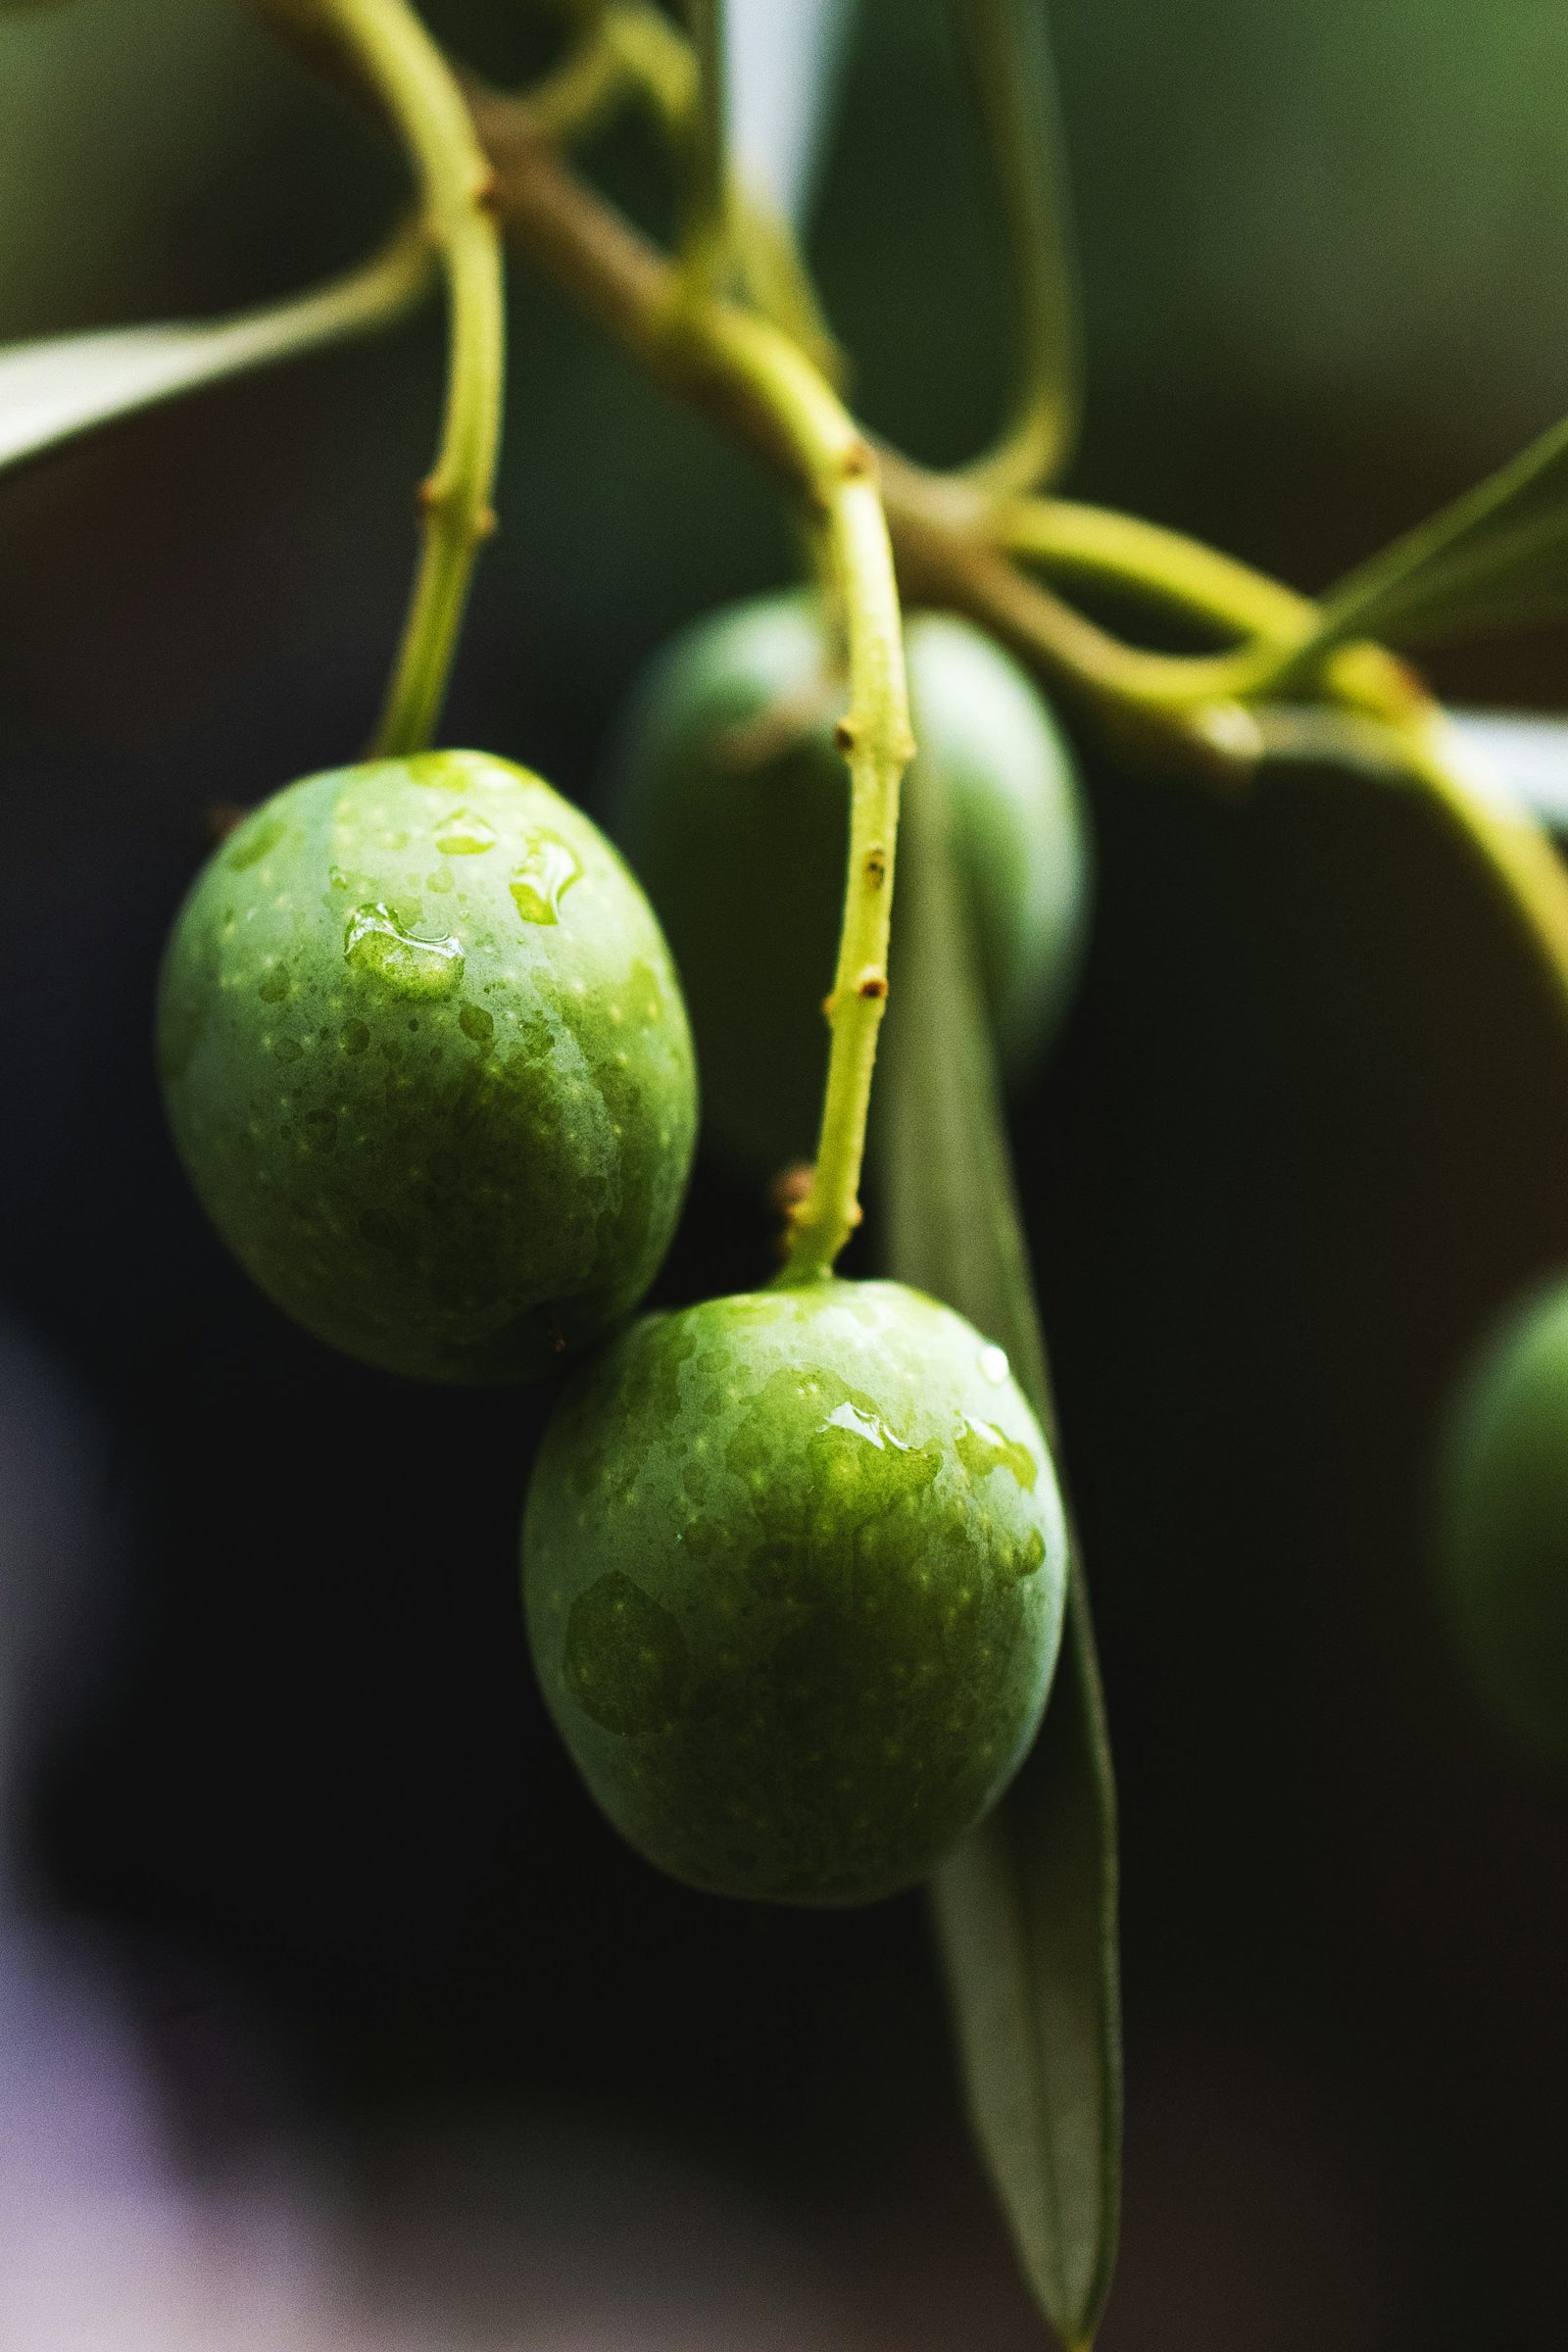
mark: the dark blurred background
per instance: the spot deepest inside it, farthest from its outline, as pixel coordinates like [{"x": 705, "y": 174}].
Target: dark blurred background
[{"x": 293, "y": 1790}]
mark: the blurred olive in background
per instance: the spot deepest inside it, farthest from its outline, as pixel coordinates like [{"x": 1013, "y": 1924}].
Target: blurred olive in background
[
  {"x": 1505, "y": 1522},
  {"x": 730, "y": 794}
]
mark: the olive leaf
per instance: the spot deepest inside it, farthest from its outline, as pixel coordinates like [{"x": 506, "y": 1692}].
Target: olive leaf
[
  {"x": 1025, "y": 1908},
  {"x": 1525, "y": 753},
  {"x": 1497, "y": 557},
  {"x": 785, "y": 61},
  {"x": 64, "y": 385}
]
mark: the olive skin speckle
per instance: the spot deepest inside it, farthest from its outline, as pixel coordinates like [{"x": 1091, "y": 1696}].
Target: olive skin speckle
[
  {"x": 448, "y": 1130},
  {"x": 794, "y": 1569}
]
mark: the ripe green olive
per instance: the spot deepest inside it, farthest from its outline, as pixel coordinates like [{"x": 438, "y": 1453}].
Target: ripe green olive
[
  {"x": 732, "y": 803},
  {"x": 794, "y": 1565},
  {"x": 426, "y": 1062},
  {"x": 1503, "y": 1522}
]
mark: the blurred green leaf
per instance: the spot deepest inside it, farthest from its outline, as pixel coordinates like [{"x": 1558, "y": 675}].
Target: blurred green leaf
[
  {"x": 1498, "y": 557},
  {"x": 1525, "y": 755},
  {"x": 784, "y": 63},
  {"x": 1025, "y": 1908},
  {"x": 64, "y": 385}
]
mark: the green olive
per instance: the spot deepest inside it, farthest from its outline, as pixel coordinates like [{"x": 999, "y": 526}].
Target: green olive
[
  {"x": 427, "y": 1063},
  {"x": 794, "y": 1565},
  {"x": 732, "y": 803},
  {"x": 1505, "y": 1522}
]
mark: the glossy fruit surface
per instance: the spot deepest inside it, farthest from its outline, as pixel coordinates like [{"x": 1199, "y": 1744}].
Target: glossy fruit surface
[
  {"x": 794, "y": 1565},
  {"x": 427, "y": 1063},
  {"x": 1505, "y": 1522},
  {"x": 732, "y": 802}
]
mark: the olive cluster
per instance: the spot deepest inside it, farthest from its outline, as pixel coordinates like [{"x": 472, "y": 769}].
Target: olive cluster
[{"x": 794, "y": 1562}]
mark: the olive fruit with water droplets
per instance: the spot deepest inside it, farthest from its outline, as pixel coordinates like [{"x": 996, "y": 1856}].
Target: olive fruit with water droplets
[
  {"x": 1505, "y": 1522},
  {"x": 426, "y": 1062},
  {"x": 794, "y": 1565},
  {"x": 731, "y": 800}
]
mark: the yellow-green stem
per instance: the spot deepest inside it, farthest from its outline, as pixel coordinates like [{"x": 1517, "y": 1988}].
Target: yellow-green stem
[
  {"x": 1183, "y": 576},
  {"x": 704, "y": 230},
  {"x": 832, "y": 458},
  {"x": 652, "y": 50},
  {"x": 1099, "y": 545},
  {"x": 630, "y": 50},
  {"x": 959, "y": 553},
  {"x": 584, "y": 88},
  {"x": 877, "y": 739},
  {"x": 1520, "y": 861},
  {"x": 1009, "y": 55},
  {"x": 398, "y": 59}
]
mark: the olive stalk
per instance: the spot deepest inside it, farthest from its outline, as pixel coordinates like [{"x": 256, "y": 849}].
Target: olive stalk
[
  {"x": 705, "y": 228},
  {"x": 1011, "y": 65},
  {"x": 403, "y": 66},
  {"x": 1377, "y": 715},
  {"x": 958, "y": 548},
  {"x": 585, "y": 88},
  {"x": 837, "y": 470},
  {"x": 1519, "y": 860},
  {"x": 1272, "y": 623},
  {"x": 877, "y": 738},
  {"x": 651, "y": 57},
  {"x": 629, "y": 50},
  {"x": 948, "y": 551},
  {"x": 1163, "y": 567}
]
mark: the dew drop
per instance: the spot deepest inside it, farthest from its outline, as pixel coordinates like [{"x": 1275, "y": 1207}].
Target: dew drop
[
  {"x": 440, "y": 768},
  {"x": 1027, "y": 1556},
  {"x": 274, "y": 986},
  {"x": 355, "y": 1037},
  {"x": 983, "y": 1447},
  {"x": 475, "y": 1022},
  {"x": 415, "y": 967},
  {"x": 861, "y": 1423},
  {"x": 543, "y": 879},
  {"x": 465, "y": 835},
  {"x": 994, "y": 1365},
  {"x": 254, "y": 842}
]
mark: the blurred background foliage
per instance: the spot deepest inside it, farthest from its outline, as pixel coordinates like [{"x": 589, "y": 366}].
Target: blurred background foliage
[{"x": 1305, "y": 1134}]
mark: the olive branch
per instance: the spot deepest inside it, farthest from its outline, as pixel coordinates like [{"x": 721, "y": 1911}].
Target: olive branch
[
  {"x": 990, "y": 541},
  {"x": 731, "y": 326}
]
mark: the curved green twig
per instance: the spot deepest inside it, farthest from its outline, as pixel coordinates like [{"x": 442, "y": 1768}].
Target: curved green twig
[
  {"x": 401, "y": 64},
  {"x": 705, "y": 228},
  {"x": 1009, "y": 50},
  {"x": 831, "y": 461}
]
